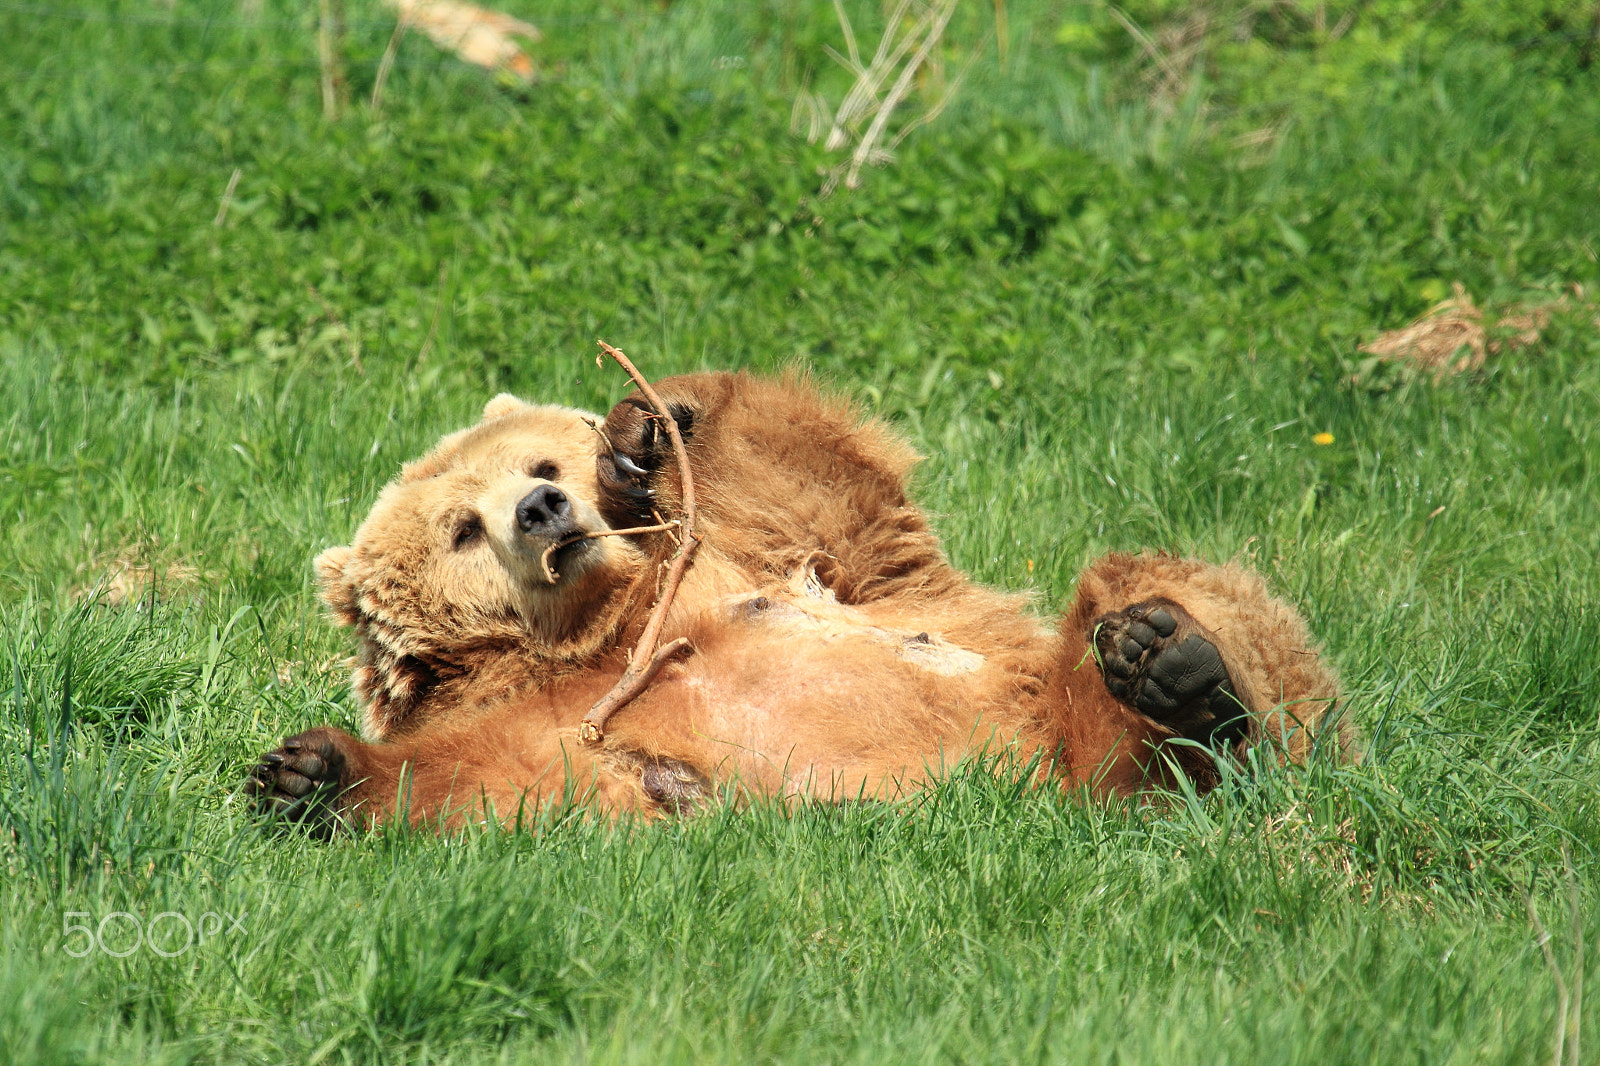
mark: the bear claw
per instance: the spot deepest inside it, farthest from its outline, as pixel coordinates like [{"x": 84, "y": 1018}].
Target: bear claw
[
  {"x": 300, "y": 782},
  {"x": 1156, "y": 658}
]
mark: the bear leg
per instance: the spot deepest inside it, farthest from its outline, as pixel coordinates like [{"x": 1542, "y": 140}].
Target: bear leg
[
  {"x": 496, "y": 765},
  {"x": 1274, "y": 668},
  {"x": 792, "y": 480}
]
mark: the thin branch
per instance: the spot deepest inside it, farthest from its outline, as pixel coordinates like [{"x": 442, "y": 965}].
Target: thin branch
[
  {"x": 544, "y": 560},
  {"x": 647, "y": 659},
  {"x": 629, "y": 687}
]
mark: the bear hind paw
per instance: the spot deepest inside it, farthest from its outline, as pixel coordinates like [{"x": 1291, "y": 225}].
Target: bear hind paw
[{"x": 1158, "y": 660}]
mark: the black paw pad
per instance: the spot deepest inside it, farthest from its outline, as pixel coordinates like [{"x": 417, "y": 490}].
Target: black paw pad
[{"x": 1155, "y": 658}]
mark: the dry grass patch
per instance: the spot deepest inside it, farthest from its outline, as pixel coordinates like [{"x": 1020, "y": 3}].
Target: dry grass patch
[{"x": 1456, "y": 336}]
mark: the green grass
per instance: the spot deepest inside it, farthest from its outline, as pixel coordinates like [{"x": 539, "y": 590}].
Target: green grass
[{"x": 1108, "y": 324}]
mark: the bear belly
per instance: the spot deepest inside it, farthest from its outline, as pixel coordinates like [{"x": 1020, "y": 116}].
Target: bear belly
[{"x": 791, "y": 693}]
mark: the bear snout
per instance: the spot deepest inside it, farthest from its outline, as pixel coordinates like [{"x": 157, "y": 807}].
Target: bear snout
[{"x": 545, "y": 512}]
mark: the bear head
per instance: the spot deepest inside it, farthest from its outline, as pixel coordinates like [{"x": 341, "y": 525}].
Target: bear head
[{"x": 446, "y": 573}]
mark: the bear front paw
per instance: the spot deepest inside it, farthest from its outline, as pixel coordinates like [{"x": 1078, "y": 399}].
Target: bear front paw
[
  {"x": 639, "y": 449},
  {"x": 639, "y": 444},
  {"x": 1157, "y": 659},
  {"x": 301, "y": 781}
]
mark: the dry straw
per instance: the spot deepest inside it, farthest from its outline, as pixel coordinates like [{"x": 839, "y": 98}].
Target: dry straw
[
  {"x": 1454, "y": 336},
  {"x": 908, "y": 49}
]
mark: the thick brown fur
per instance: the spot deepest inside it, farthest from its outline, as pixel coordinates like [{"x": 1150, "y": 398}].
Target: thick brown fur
[{"x": 837, "y": 653}]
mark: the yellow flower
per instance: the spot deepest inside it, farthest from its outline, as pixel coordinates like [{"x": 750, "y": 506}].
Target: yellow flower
[{"x": 1322, "y": 438}]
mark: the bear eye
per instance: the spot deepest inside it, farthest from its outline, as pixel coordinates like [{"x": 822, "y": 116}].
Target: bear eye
[
  {"x": 469, "y": 528},
  {"x": 545, "y": 470}
]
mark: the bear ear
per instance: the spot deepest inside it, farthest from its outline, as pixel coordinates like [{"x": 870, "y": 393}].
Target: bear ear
[
  {"x": 338, "y": 591},
  {"x": 502, "y": 405}
]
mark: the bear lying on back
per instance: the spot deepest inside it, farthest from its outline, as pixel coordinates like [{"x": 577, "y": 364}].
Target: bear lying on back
[{"x": 837, "y": 653}]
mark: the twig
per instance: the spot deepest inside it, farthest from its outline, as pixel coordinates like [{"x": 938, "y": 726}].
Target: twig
[
  {"x": 647, "y": 658},
  {"x": 628, "y": 687},
  {"x": 544, "y": 560}
]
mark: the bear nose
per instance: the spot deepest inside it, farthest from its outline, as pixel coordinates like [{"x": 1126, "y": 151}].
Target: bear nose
[{"x": 546, "y": 510}]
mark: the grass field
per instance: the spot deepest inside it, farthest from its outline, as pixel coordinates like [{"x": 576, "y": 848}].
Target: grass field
[{"x": 1112, "y": 315}]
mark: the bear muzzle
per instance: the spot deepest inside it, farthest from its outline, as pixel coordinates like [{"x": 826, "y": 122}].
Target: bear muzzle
[
  {"x": 552, "y": 527},
  {"x": 546, "y": 513}
]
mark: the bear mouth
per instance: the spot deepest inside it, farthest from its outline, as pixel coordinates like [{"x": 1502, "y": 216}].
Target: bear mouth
[{"x": 558, "y": 558}]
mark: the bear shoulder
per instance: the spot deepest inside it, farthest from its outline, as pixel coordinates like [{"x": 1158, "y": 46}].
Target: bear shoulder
[{"x": 786, "y": 478}]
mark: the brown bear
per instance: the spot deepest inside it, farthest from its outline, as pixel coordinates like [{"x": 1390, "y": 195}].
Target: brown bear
[{"x": 836, "y": 652}]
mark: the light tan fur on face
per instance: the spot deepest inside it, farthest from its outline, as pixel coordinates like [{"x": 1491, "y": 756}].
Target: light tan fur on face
[{"x": 427, "y": 609}]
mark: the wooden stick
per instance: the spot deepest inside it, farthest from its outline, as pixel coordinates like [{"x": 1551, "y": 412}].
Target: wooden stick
[
  {"x": 627, "y": 688},
  {"x": 647, "y": 659},
  {"x": 544, "y": 560}
]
